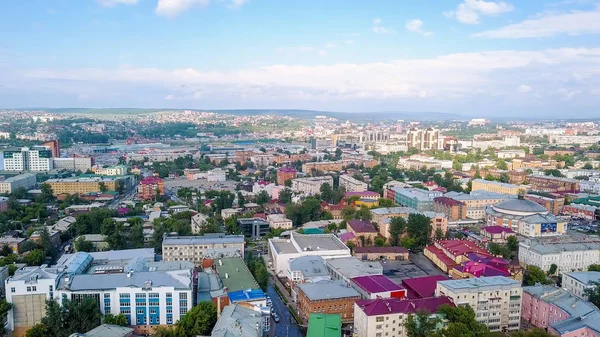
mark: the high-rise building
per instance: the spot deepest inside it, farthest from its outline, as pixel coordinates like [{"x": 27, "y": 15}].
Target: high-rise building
[
  {"x": 54, "y": 146},
  {"x": 423, "y": 139},
  {"x": 37, "y": 158}
]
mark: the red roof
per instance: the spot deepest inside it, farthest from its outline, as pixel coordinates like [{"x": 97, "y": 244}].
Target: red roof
[
  {"x": 151, "y": 181},
  {"x": 497, "y": 229},
  {"x": 390, "y": 306},
  {"x": 376, "y": 284},
  {"x": 360, "y": 194},
  {"x": 422, "y": 287},
  {"x": 461, "y": 247},
  {"x": 380, "y": 250},
  {"x": 287, "y": 170},
  {"x": 441, "y": 256},
  {"x": 361, "y": 226},
  {"x": 448, "y": 201}
]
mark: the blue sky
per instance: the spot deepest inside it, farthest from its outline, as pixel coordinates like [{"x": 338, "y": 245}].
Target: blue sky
[{"x": 472, "y": 57}]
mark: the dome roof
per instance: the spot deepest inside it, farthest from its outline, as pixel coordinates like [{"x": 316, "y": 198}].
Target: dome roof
[{"x": 520, "y": 205}]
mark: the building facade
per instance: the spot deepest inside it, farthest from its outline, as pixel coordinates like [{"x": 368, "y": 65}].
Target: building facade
[
  {"x": 351, "y": 184},
  {"x": 195, "y": 248},
  {"x": 495, "y": 186},
  {"x": 150, "y": 188},
  {"x": 453, "y": 209},
  {"x": 327, "y": 297},
  {"x": 81, "y": 185},
  {"x": 284, "y": 174},
  {"x": 568, "y": 253},
  {"x": 311, "y": 186},
  {"x": 25, "y": 180}
]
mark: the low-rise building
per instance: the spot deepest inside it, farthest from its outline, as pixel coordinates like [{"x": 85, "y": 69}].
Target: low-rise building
[
  {"x": 25, "y": 180},
  {"x": 198, "y": 222},
  {"x": 352, "y": 185},
  {"x": 364, "y": 229},
  {"x": 195, "y": 248},
  {"x": 347, "y": 268},
  {"x": 568, "y": 253},
  {"x": 552, "y": 202},
  {"x": 544, "y": 183},
  {"x": 306, "y": 269},
  {"x": 380, "y": 253},
  {"x": 421, "y": 200},
  {"x": 377, "y": 286},
  {"x": 253, "y": 228},
  {"x": 388, "y": 316},
  {"x": 525, "y": 217},
  {"x": 495, "y": 186},
  {"x": 241, "y": 319},
  {"x": 477, "y": 201},
  {"x": 279, "y": 221},
  {"x": 312, "y": 185},
  {"x": 117, "y": 170},
  {"x": 13, "y": 242},
  {"x": 495, "y": 300},
  {"x": 82, "y": 185},
  {"x": 578, "y": 282},
  {"x": 497, "y": 234},
  {"x": 283, "y": 251},
  {"x": 99, "y": 241},
  {"x": 586, "y": 212},
  {"x": 327, "y": 297},
  {"x": 3, "y": 204},
  {"x": 284, "y": 174}
]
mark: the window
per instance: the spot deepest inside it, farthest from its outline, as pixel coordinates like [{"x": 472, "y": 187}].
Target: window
[
  {"x": 153, "y": 311},
  {"x": 169, "y": 310},
  {"x": 379, "y": 319},
  {"x": 182, "y": 311},
  {"x": 50, "y": 288},
  {"x": 12, "y": 290},
  {"x": 106, "y": 295},
  {"x": 153, "y": 295},
  {"x": 140, "y": 311},
  {"x": 34, "y": 288},
  {"x": 126, "y": 311},
  {"x": 183, "y": 296},
  {"x": 169, "y": 319},
  {"x": 28, "y": 289},
  {"x": 122, "y": 295},
  {"x": 140, "y": 295}
]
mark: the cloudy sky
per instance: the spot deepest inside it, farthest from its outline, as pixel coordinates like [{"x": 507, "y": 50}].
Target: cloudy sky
[{"x": 471, "y": 57}]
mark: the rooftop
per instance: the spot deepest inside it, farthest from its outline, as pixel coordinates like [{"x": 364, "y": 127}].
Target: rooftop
[
  {"x": 361, "y": 226},
  {"x": 422, "y": 287},
  {"x": 310, "y": 266},
  {"x": 497, "y": 229},
  {"x": 324, "y": 325},
  {"x": 521, "y": 205},
  {"x": 235, "y": 274},
  {"x": 389, "y": 306},
  {"x": 376, "y": 284},
  {"x": 591, "y": 321},
  {"x": 565, "y": 243},
  {"x": 393, "y": 210},
  {"x": 238, "y": 320},
  {"x": 586, "y": 277},
  {"x": 380, "y": 250},
  {"x": 487, "y": 182},
  {"x": 203, "y": 239},
  {"x": 350, "y": 267},
  {"x": 448, "y": 201},
  {"x": 327, "y": 290},
  {"x": 481, "y": 282},
  {"x": 107, "y": 330},
  {"x": 569, "y": 303},
  {"x": 181, "y": 279}
]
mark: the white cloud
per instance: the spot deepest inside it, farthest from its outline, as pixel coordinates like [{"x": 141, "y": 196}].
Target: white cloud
[
  {"x": 237, "y": 3},
  {"x": 349, "y": 42},
  {"x": 83, "y": 97},
  {"x": 470, "y": 11},
  {"x": 445, "y": 78},
  {"x": 378, "y": 28},
  {"x": 322, "y": 53},
  {"x": 112, "y": 3},
  {"x": 172, "y": 8},
  {"x": 572, "y": 23},
  {"x": 330, "y": 45},
  {"x": 416, "y": 26},
  {"x": 524, "y": 88},
  {"x": 170, "y": 97}
]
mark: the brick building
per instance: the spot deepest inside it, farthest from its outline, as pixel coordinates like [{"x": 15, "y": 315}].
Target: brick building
[
  {"x": 543, "y": 183},
  {"x": 453, "y": 209},
  {"x": 327, "y": 297},
  {"x": 150, "y": 187},
  {"x": 552, "y": 202},
  {"x": 284, "y": 174}
]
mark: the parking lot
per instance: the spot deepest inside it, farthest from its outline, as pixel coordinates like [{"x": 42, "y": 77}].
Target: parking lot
[{"x": 417, "y": 266}]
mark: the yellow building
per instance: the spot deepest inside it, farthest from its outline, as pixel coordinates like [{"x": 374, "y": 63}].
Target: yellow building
[
  {"x": 81, "y": 185},
  {"x": 366, "y": 202},
  {"x": 495, "y": 186}
]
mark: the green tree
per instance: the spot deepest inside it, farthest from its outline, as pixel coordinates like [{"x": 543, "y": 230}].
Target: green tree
[
  {"x": 82, "y": 245},
  {"x": 420, "y": 325},
  {"x": 162, "y": 331},
  {"x": 499, "y": 250},
  {"x": 419, "y": 228},
  {"x": 397, "y": 228},
  {"x": 512, "y": 243},
  {"x": 439, "y": 234},
  {"x": 383, "y": 202},
  {"x": 39, "y": 330},
  {"x": 285, "y": 196},
  {"x": 462, "y": 322},
  {"x": 197, "y": 322},
  {"x": 379, "y": 242},
  {"x": 6, "y": 250},
  {"x": 4, "y": 309},
  {"x": 102, "y": 187},
  {"x": 593, "y": 294},
  {"x": 47, "y": 194},
  {"x": 363, "y": 213},
  {"x": 594, "y": 267},
  {"x": 35, "y": 257},
  {"x": 501, "y": 164},
  {"x": 241, "y": 199},
  {"x": 326, "y": 192},
  {"x": 263, "y": 197},
  {"x": 534, "y": 275},
  {"x": 119, "y": 319},
  {"x": 552, "y": 270},
  {"x": 532, "y": 333},
  {"x": 136, "y": 236}
]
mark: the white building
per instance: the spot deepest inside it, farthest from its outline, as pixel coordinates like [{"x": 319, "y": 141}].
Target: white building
[
  {"x": 25, "y": 180},
  {"x": 198, "y": 222},
  {"x": 509, "y": 154},
  {"x": 312, "y": 185},
  {"x": 126, "y": 282},
  {"x": 351, "y": 184},
  {"x": 347, "y": 268},
  {"x": 196, "y": 248},
  {"x": 496, "y": 300},
  {"x": 216, "y": 175},
  {"x": 282, "y": 251},
  {"x": 117, "y": 170},
  {"x": 577, "y": 282},
  {"x": 76, "y": 163},
  {"x": 37, "y": 158},
  {"x": 279, "y": 221},
  {"x": 568, "y": 253}
]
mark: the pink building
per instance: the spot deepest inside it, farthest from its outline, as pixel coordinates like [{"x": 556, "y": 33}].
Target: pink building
[
  {"x": 555, "y": 309},
  {"x": 3, "y": 204}
]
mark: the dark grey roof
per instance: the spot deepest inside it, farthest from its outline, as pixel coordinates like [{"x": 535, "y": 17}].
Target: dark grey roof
[
  {"x": 327, "y": 290},
  {"x": 174, "y": 279},
  {"x": 521, "y": 205}
]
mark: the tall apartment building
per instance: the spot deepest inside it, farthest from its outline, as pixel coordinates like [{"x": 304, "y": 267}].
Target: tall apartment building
[
  {"x": 553, "y": 203},
  {"x": 496, "y": 300},
  {"x": 421, "y": 200},
  {"x": 37, "y": 158},
  {"x": 453, "y": 209},
  {"x": 284, "y": 174},
  {"x": 423, "y": 139},
  {"x": 477, "y": 201},
  {"x": 150, "y": 187},
  {"x": 323, "y": 166},
  {"x": 311, "y": 185},
  {"x": 25, "y": 180},
  {"x": 351, "y": 184},
  {"x": 54, "y": 146},
  {"x": 495, "y": 186},
  {"x": 195, "y": 248}
]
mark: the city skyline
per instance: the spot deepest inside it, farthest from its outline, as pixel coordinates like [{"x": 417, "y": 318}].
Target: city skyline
[{"x": 471, "y": 57}]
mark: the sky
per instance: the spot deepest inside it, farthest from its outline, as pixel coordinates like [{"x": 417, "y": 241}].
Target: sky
[{"x": 469, "y": 57}]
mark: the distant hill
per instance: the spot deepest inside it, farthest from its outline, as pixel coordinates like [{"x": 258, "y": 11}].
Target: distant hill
[{"x": 302, "y": 114}]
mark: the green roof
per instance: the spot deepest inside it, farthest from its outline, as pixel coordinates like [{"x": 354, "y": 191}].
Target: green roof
[
  {"x": 313, "y": 231},
  {"x": 324, "y": 325},
  {"x": 235, "y": 274}
]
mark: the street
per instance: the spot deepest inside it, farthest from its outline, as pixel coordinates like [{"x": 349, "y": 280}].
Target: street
[{"x": 285, "y": 327}]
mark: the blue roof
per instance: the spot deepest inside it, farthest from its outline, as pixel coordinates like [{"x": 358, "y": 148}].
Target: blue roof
[
  {"x": 78, "y": 263},
  {"x": 246, "y": 295}
]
